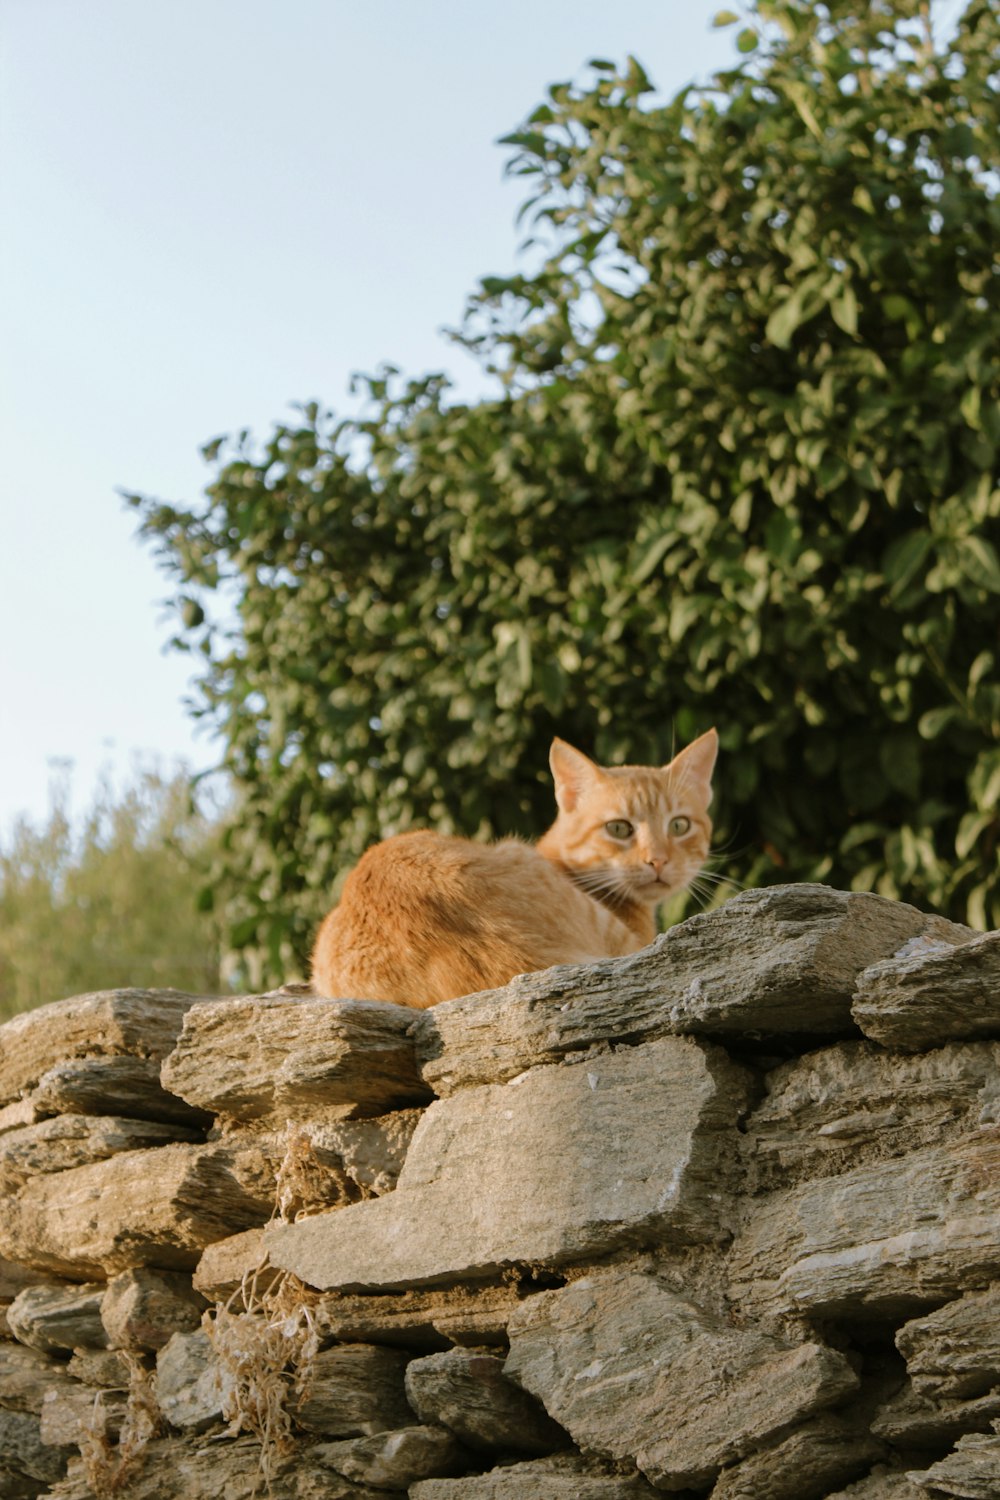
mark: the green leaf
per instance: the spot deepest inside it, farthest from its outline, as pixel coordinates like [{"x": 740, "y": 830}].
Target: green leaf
[
  {"x": 935, "y": 720},
  {"x": 652, "y": 556},
  {"x": 903, "y": 559},
  {"x": 783, "y": 322},
  {"x": 747, "y": 40},
  {"x": 979, "y": 562},
  {"x": 724, "y": 18},
  {"x": 844, "y": 310}
]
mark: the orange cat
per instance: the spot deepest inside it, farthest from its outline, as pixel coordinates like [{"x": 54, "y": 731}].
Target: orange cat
[{"x": 425, "y": 918}]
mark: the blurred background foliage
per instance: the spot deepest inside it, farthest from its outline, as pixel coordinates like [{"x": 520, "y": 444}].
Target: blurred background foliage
[
  {"x": 108, "y": 899},
  {"x": 739, "y": 470}
]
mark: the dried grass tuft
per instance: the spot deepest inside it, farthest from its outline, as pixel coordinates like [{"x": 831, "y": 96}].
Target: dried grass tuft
[
  {"x": 266, "y": 1341},
  {"x": 108, "y": 1465}
]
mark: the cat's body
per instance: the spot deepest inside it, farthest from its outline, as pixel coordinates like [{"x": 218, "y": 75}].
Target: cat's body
[{"x": 425, "y": 918}]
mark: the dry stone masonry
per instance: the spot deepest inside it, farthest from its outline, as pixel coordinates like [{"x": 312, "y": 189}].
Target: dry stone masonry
[{"x": 720, "y": 1219}]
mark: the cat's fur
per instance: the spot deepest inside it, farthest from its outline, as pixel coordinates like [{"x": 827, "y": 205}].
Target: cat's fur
[{"x": 425, "y": 918}]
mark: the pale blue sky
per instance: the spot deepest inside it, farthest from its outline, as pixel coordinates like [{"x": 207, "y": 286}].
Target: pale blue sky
[{"x": 212, "y": 208}]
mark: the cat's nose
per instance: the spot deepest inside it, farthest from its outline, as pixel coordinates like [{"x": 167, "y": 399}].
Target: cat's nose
[{"x": 656, "y": 865}]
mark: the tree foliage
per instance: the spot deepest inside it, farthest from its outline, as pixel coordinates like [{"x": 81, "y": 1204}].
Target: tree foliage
[
  {"x": 112, "y": 903},
  {"x": 740, "y": 471}
]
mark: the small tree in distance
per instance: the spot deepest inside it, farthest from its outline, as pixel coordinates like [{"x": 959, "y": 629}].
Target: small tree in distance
[{"x": 739, "y": 471}]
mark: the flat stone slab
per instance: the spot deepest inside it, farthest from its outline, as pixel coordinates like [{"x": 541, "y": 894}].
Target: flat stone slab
[
  {"x": 776, "y": 962},
  {"x": 75, "y": 1140},
  {"x": 825, "y": 1451},
  {"x": 58, "y": 1318},
  {"x": 158, "y": 1208},
  {"x": 284, "y": 1058},
  {"x": 853, "y": 1103},
  {"x": 563, "y": 1163},
  {"x": 111, "y": 1085},
  {"x": 890, "y": 1237},
  {"x": 954, "y": 1352},
  {"x": 970, "y": 1472},
  {"x": 134, "y": 1022},
  {"x": 425, "y": 1321},
  {"x": 633, "y": 1371},
  {"x": 933, "y": 994},
  {"x": 566, "y": 1476}
]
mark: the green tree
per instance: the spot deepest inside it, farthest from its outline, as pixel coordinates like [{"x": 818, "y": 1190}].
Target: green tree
[
  {"x": 740, "y": 471},
  {"x": 114, "y": 903}
]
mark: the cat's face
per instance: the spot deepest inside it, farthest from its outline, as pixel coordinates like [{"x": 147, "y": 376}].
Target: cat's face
[{"x": 634, "y": 832}]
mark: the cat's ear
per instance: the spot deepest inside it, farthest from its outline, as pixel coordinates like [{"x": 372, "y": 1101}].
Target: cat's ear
[
  {"x": 572, "y": 773},
  {"x": 693, "y": 767}
]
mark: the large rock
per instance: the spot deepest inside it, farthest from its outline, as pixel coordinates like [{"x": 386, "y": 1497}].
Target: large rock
[
  {"x": 954, "y": 1352},
  {"x": 355, "y": 1390},
  {"x": 179, "y": 1468},
  {"x": 128, "y": 1086},
  {"x": 191, "y": 1384},
  {"x": 633, "y": 1371},
  {"x": 142, "y": 1309},
  {"x": 563, "y": 1477},
  {"x": 27, "y": 1375},
  {"x": 56, "y": 1318},
  {"x": 931, "y": 994},
  {"x": 393, "y": 1460},
  {"x": 853, "y": 1103},
  {"x": 912, "y": 1422},
  {"x": 564, "y": 1163},
  {"x": 466, "y": 1391},
  {"x": 157, "y": 1208},
  {"x": 890, "y": 1237},
  {"x": 287, "y": 1058},
  {"x": 425, "y": 1321},
  {"x": 970, "y": 1472},
  {"x": 135, "y": 1023},
  {"x": 825, "y": 1451},
  {"x": 777, "y": 962},
  {"x": 74, "y": 1141},
  {"x": 23, "y": 1451}
]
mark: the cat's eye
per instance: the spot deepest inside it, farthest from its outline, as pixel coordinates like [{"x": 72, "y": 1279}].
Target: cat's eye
[
  {"x": 619, "y": 829},
  {"x": 679, "y": 827}
]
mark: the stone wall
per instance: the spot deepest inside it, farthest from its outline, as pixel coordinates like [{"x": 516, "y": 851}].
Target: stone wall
[{"x": 720, "y": 1219}]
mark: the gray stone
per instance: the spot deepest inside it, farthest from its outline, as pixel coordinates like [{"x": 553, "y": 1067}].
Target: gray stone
[
  {"x": 826, "y": 1451},
  {"x": 971, "y": 1471},
  {"x": 775, "y": 962},
  {"x": 73, "y": 1141},
  {"x": 955, "y": 1351},
  {"x": 22, "y": 1449},
  {"x": 611, "y": 1356},
  {"x": 137, "y": 1023},
  {"x": 853, "y": 1103},
  {"x": 466, "y": 1391},
  {"x": 393, "y": 1460},
  {"x": 26, "y": 1375},
  {"x": 526, "y": 1172},
  {"x": 182, "y": 1468},
  {"x": 55, "y": 1318},
  {"x": 143, "y": 1308},
  {"x": 289, "y": 1058},
  {"x": 933, "y": 994},
  {"x": 355, "y": 1390},
  {"x": 158, "y": 1207},
  {"x": 881, "y": 1484},
  {"x": 891, "y": 1237},
  {"x": 370, "y": 1153},
  {"x": 910, "y": 1421},
  {"x": 127, "y": 1086},
  {"x": 14, "y": 1278},
  {"x": 68, "y": 1414},
  {"x": 191, "y": 1383},
  {"x": 562, "y": 1477},
  {"x": 108, "y": 1368}
]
